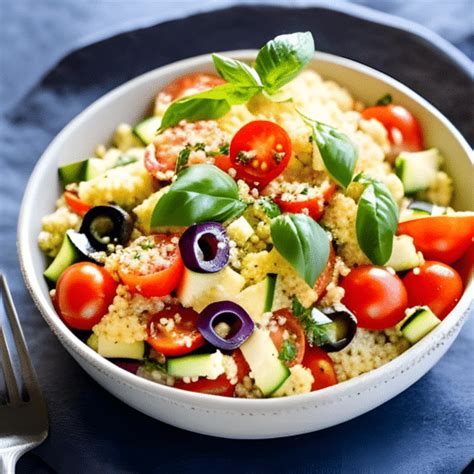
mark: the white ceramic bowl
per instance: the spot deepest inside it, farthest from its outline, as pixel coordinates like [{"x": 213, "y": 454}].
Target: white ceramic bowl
[{"x": 219, "y": 416}]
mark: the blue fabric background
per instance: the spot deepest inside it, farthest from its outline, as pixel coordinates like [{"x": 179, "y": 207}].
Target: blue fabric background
[{"x": 428, "y": 428}]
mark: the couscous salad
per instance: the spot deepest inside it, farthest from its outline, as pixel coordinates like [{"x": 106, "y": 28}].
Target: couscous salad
[{"x": 262, "y": 234}]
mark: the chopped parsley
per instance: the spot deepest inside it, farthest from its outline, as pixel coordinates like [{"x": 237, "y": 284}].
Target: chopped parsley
[
  {"x": 270, "y": 208},
  {"x": 305, "y": 191},
  {"x": 317, "y": 334},
  {"x": 224, "y": 149},
  {"x": 288, "y": 351},
  {"x": 384, "y": 100},
  {"x": 150, "y": 365},
  {"x": 244, "y": 157},
  {"x": 278, "y": 157},
  {"x": 183, "y": 158}
]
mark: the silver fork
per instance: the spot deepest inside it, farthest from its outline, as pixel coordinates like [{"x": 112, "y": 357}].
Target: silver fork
[{"x": 24, "y": 417}]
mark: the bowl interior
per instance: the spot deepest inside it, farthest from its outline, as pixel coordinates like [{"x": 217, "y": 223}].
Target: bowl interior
[{"x": 130, "y": 102}]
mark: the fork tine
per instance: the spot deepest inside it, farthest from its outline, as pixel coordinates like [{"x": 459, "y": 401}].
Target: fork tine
[
  {"x": 13, "y": 394},
  {"x": 27, "y": 371}
]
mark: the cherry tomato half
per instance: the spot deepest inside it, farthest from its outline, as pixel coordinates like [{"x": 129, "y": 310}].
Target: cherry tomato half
[
  {"x": 295, "y": 334},
  {"x": 163, "y": 280},
  {"x": 441, "y": 238},
  {"x": 260, "y": 151},
  {"x": 376, "y": 296},
  {"x": 173, "y": 331},
  {"x": 321, "y": 366},
  {"x": 83, "y": 294},
  {"x": 192, "y": 83},
  {"x": 404, "y": 131},
  {"x": 314, "y": 205},
  {"x": 326, "y": 276},
  {"x": 436, "y": 285},
  {"x": 221, "y": 386},
  {"x": 75, "y": 204}
]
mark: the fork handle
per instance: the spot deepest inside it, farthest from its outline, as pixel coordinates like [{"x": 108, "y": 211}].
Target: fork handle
[{"x": 8, "y": 459}]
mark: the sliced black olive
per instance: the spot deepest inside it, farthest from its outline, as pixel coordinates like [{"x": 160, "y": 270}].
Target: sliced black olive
[
  {"x": 82, "y": 246},
  {"x": 343, "y": 330},
  {"x": 105, "y": 225},
  {"x": 205, "y": 247}
]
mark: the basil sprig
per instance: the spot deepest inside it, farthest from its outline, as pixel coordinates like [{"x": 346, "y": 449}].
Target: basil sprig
[
  {"x": 200, "y": 193},
  {"x": 338, "y": 152},
  {"x": 282, "y": 59},
  {"x": 277, "y": 63},
  {"x": 376, "y": 221},
  {"x": 302, "y": 243}
]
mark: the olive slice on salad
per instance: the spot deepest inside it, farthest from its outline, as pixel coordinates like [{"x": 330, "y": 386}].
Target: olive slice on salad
[
  {"x": 83, "y": 246},
  {"x": 205, "y": 247},
  {"x": 225, "y": 325},
  {"x": 341, "y": 328},
  {"x": 104, "y": 225}
]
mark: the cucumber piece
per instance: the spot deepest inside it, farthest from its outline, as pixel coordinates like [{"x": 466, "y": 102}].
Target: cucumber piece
[
  {"x": 94, "y": 167},
  {"x": 268, "y": 371},
  {"x": 419, "y": 324},
  {"x": 417, "y": 170},
  {"x": 93, "y": 341},
  {"x": 120, "y": 350},
  {"x": 427, "y": 208},
  {"x": 197, "y": 365},
  {"x": 240, "y": 230},
  {"x": 67, "y": 255},
  {"x": 257, "y": 299},
  {"x": 197, "y": 290},
  {"x": 146, "y": 130},
  {"x": 404, "y": 254},
  {"x": 82, "y": 170}
]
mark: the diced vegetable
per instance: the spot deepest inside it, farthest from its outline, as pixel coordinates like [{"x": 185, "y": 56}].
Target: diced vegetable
[
  {"x": 419, "y": 324},
  {"x": 146, "y": 130},
  {"x": 197, "y": 365}
]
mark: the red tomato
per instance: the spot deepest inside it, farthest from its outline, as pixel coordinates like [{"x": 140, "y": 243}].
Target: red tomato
[
  {"x": 295, "y": 331},
  {"x": 321, "y": 366},
  {"x": 223, "y": 162},
  {"x": 325, "y": 278},
  {"x": 243, "y": 368},
  {"x": 260, "y": 151},
  {"x": 179, "y": 339},
  {"x": 404, "y": 131},
  {"x": 376, "y": 296},
  {"x": 221, "y": 386},
  {"x": 190, "y": 84},
  {"x": 163, "y": 280},
  {"x": 314, "y": 205},
  {"x": 441, "y": 238},
  {"x": 83, "y": 294},
  {"x": 75, "y": 204},
  {"x": 465, "y": 266},
  {"x": 436, "y": 285}
]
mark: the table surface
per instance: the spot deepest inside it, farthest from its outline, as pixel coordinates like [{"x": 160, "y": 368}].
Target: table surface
[{"x": 428, "y": 428}]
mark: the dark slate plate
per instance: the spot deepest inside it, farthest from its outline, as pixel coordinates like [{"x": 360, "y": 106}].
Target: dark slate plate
[{"x": 93, "y": 432}]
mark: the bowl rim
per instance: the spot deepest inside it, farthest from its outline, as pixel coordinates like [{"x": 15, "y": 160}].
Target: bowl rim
[{"x": 364, "y": 382}]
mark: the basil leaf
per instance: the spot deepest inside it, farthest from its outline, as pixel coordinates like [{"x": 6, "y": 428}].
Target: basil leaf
[
  {"x": 282, "y": 59},
  {"x": 236, "y": 72},
  {"x": 376, "y": 221},
  {"x": 200, "y": 193},
  {"x": 207, "y": 105},
  {"x": 384, "y": 100},
  {"x": 339, "y": 154},
  {"x": 303, "y": 243},
  {"x": 270, "y": 207}
]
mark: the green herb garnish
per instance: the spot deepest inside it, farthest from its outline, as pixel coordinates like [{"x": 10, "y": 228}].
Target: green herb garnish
[
  {"x": 201, "y": 193},
  {"x": 376, "y": 221},
  {"x": 317, "y": 334},
  {"x": 303, "y": 244},
  {"x": 384, "y": 100},
  {"x": 338, "y": 152},
  {"x": 270, "y": 207},
  {"x": 277, "y": 63},
  {"x": 288, "y": 351}
]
